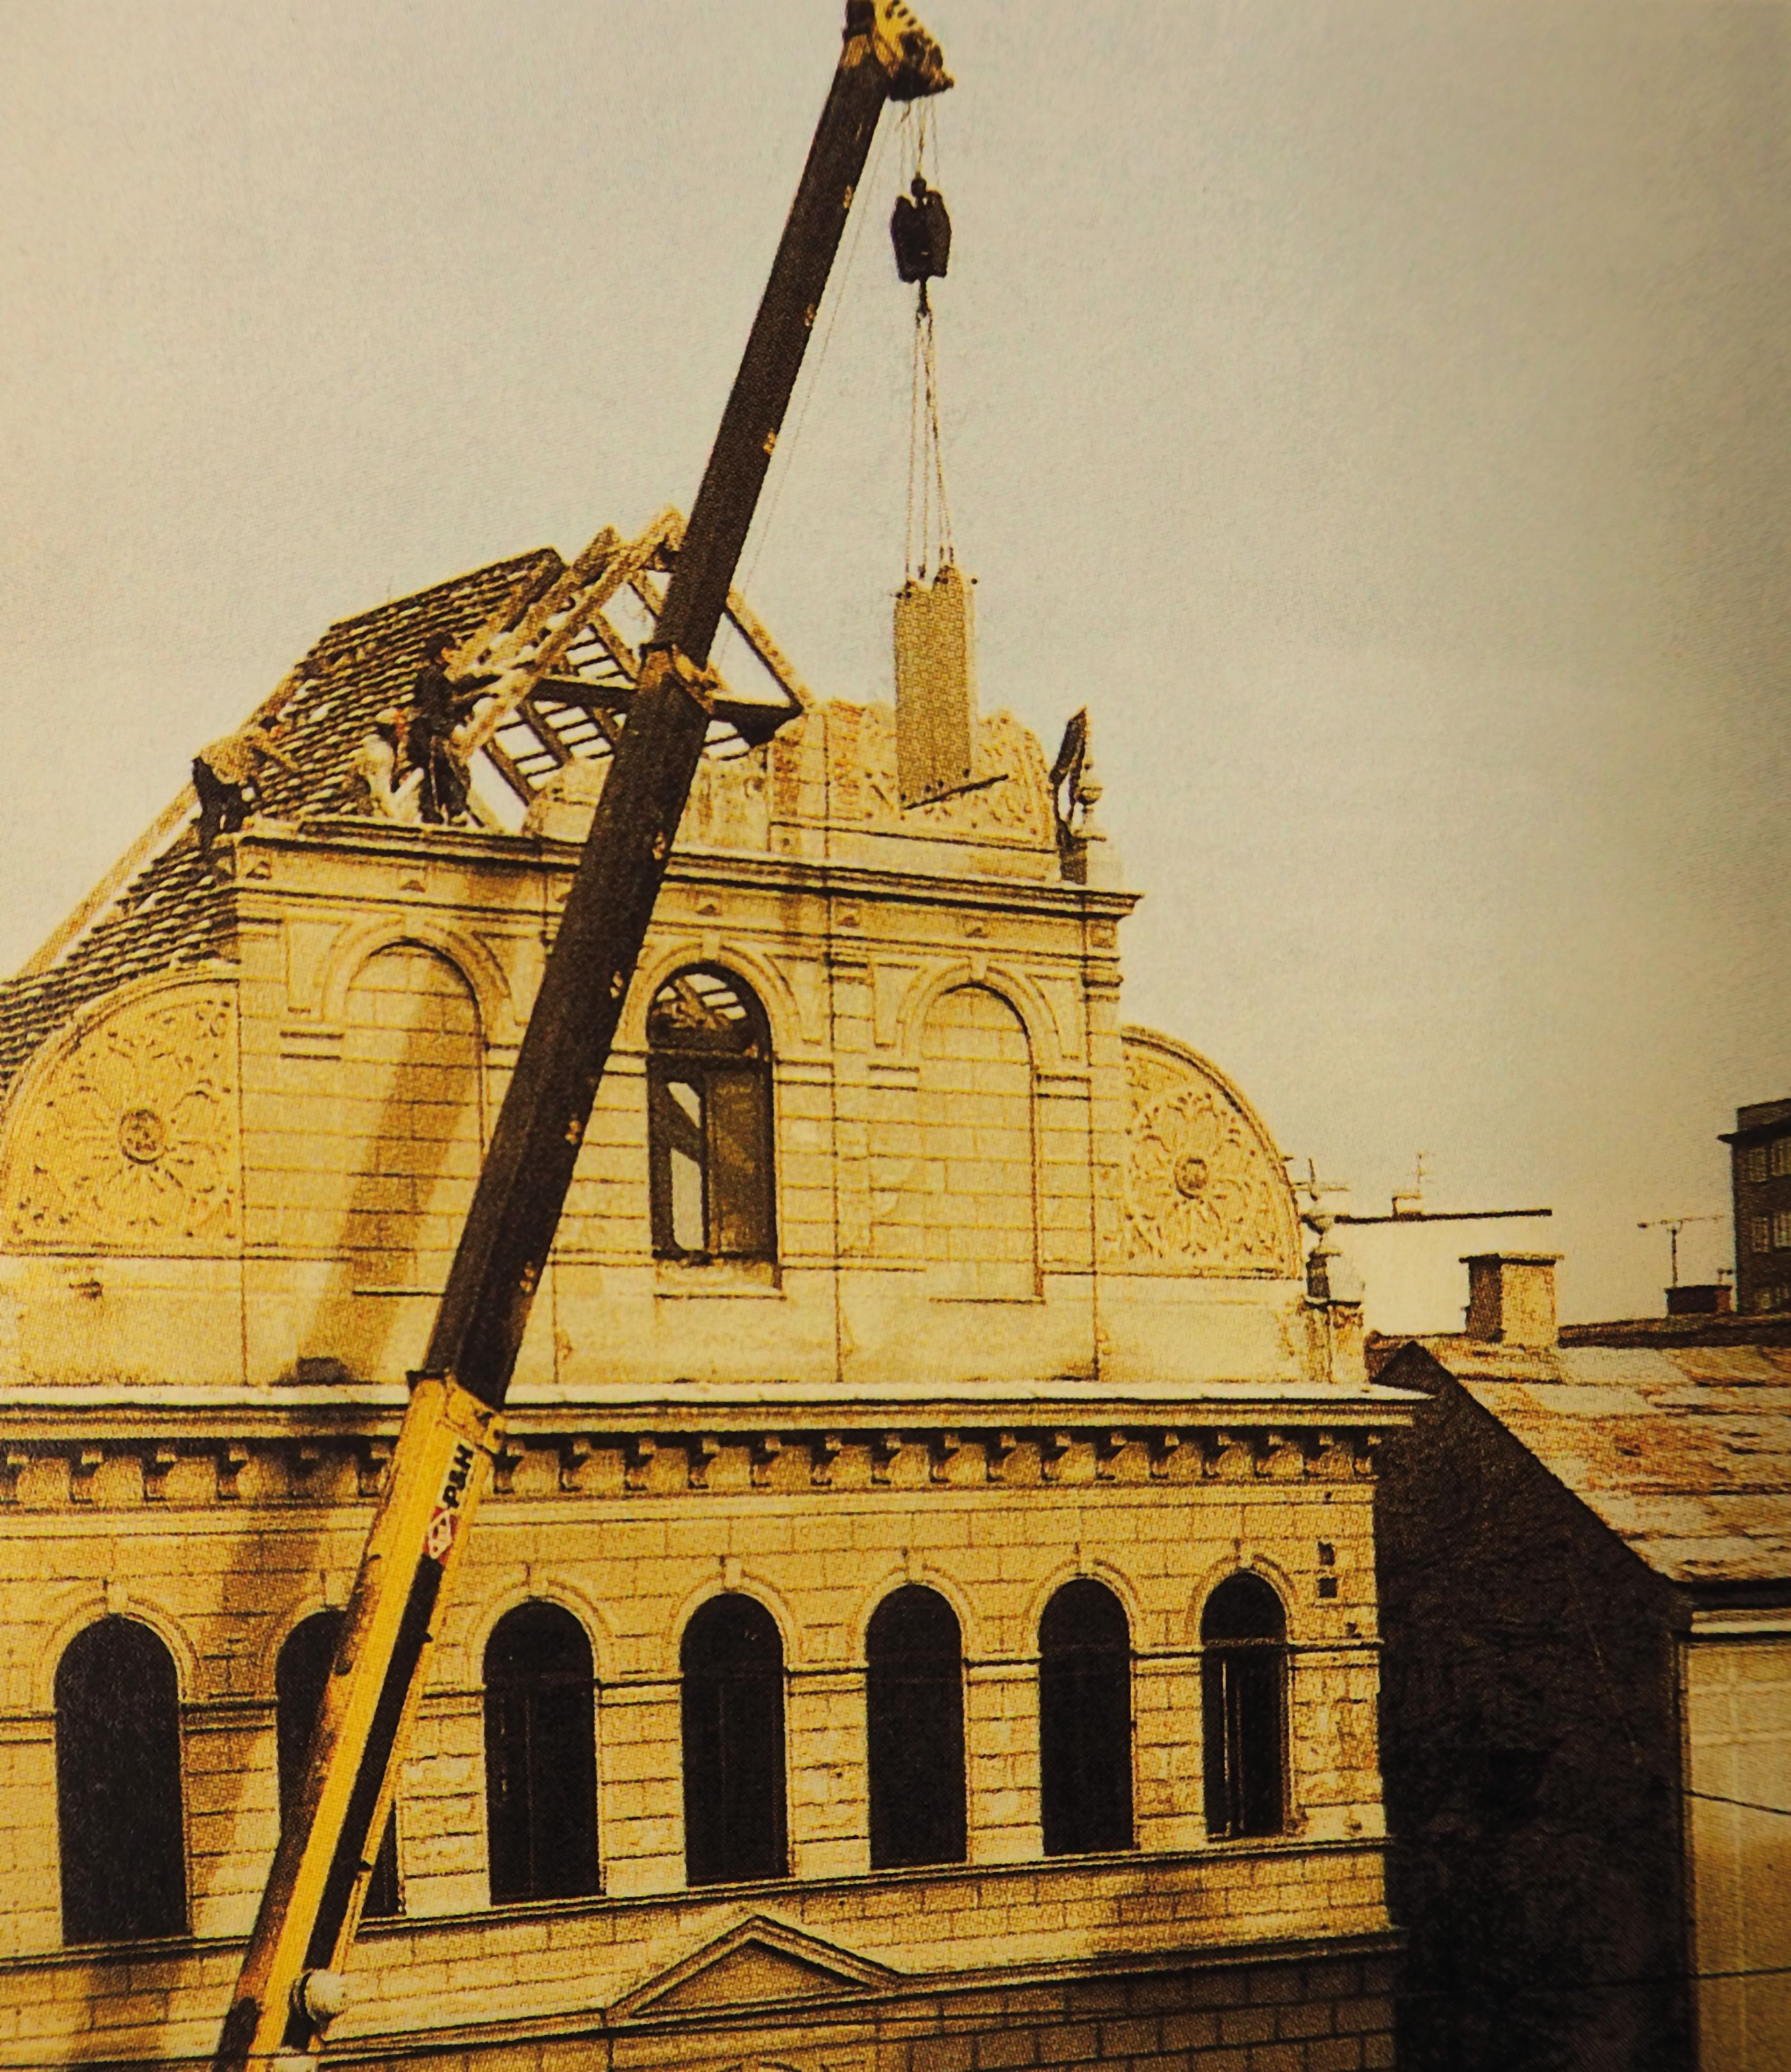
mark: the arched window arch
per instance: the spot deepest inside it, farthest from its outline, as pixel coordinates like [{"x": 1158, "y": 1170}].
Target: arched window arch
[
  {"x": 914, "y": 1730},
  {"x": 732, "y": 1664},
  {"x": 300, "y": 1677},
  {"x": 118, "y": 1804},
  {"x": 709, "y": 1118},
  {"x": 1244, "y": 1706},
  {"x": 541, "y": 1756},
  {"x": 1085, "y": 1721}
]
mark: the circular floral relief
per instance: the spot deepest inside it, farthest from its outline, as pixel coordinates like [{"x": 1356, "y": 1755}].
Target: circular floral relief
[
  {"x": 137, "y": 1142},
  {"x": 142, "y": 1136},
  {"x": 1197, "y": 1186}
]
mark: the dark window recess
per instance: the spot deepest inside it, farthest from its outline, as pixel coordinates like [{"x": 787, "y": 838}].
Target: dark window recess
[
  {"x": 1244, "y": 1700},
  {"x": 541, "y": 1756},
  {"x": 124, "y": 1858},
  {"x": 1085, "y": 1721},
  {"x": 299, "y": 1679},
  {"x": 914, "y": 1730},
  {"x": 732, "y": 1662},
  {"x": 709, "y": 1135}
]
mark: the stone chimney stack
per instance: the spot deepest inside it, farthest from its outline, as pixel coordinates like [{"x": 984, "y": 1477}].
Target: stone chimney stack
[
  {"x": 935, "y": 684},
  {"x": 1511, "y": 1298}
]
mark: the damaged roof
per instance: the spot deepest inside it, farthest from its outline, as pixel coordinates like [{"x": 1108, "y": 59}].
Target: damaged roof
[
  {"x": 164, "y": 907},
  {"x": 559, "y": 645},
  {"x": 1684, "y": 1452}
]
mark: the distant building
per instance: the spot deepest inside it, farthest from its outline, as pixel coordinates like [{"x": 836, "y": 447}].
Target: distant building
[
  {"x": 1585, "y": 1551},
  {"x": 926, "y": 1615},
  {"x": 1760, "y": 1147}
]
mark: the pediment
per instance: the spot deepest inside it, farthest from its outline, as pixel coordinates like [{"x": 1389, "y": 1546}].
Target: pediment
[{"x": 756, "y": 1962}]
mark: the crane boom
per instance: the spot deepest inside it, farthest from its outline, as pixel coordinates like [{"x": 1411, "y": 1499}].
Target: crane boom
[{"x": 290, "y": 1982}]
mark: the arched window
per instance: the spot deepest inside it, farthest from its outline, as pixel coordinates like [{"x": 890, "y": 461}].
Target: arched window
[
  {"x": 1085, "y": 1721},
  {"x": 299, "y": 1678},
  {"x": 541, "y": 1756},
  {"x": 914, "y": 1706},
  {"x": 732, "y": 1661},
  {"x": 1244, "y": 1701},
  {"x": 709, "y": 1133},
  {"x": 124, "y": 1856}
]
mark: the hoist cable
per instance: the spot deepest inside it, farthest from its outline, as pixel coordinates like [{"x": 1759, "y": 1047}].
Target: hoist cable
[
  {"x": 926, "y": 542},
  {"x": 783, "y": 457}
]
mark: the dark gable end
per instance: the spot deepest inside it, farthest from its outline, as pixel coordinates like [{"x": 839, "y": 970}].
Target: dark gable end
[{"x": 1530, "y": 1752}]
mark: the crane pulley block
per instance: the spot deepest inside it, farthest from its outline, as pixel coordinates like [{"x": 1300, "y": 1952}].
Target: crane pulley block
[{"x": 920, "y": 230}]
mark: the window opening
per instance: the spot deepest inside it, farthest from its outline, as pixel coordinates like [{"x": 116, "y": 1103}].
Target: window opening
[
  {"x": 732, "y": 1661},
  {"x": 914, "y": 1720},
  {"x": 118, "y": 1805},
  {"x": 1244, "y": 1695},
  {"x": 300, "y": 1677},
  {"x": 709, "y": 1097},
  {"x": 1085, "y": 1721},
  {"x": 541, "y": 1756}
]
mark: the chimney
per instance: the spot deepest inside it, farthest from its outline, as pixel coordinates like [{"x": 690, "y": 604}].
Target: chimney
[
  {"x": 1511, "y": 1298},
  {"x": 935, "y": 685}
]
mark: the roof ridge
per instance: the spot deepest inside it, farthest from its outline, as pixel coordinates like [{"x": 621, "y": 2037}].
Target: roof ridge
[{"x": 414, "y": 596}]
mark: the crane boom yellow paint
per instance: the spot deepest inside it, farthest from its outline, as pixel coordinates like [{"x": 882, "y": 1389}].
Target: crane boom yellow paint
[{"x": 441, "y": 1468}]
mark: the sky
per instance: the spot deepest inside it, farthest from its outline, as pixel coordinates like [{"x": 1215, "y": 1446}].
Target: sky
[{"x": 1373, "y": 410}]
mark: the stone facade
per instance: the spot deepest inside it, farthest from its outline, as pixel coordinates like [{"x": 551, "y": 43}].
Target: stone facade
[{"x": 1034, "y": 1312}]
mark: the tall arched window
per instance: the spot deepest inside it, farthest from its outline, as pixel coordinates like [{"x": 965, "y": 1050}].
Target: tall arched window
[
  {"x": 299, "y": 1678},
  {"x": 1244, "y": 1703},
  {"x": 1085, "y": 1721},
  {"x": 914, "y": 1706},
  {"x": 541, "y": 1756},
  {"x": 124, "y": 1854},
  {"x": 709, "y": 1120},
  {"x": 732, "y": 1662}
]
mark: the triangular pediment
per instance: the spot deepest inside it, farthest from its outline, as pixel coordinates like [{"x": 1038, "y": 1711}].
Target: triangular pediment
[{"x": 757, "y": 1962}]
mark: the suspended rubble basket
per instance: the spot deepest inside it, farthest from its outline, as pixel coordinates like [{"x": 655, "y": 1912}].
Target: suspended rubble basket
[{"x": 935, "y": 684}]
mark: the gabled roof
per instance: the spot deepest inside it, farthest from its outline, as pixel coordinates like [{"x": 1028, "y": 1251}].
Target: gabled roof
[
  {"x": 563, "y": 641},
  {"x": 1684, "y": 1452}
]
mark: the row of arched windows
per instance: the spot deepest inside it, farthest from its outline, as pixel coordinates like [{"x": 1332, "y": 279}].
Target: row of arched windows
[{"x": 118, "y": 1772}]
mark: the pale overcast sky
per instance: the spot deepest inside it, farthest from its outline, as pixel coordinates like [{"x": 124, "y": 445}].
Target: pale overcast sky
[{"x": 1374, "y": 412}]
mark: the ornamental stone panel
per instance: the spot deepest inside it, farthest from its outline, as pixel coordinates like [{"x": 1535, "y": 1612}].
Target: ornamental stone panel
[
  {"x": 1204, "y": 1189},
  {"x": 130, "y": 1142}
]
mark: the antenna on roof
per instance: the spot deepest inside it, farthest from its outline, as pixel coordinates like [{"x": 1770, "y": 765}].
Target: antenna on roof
[
  {"x": 1407, "y": 1206},
  {"x": 1673, "y": 1225}
]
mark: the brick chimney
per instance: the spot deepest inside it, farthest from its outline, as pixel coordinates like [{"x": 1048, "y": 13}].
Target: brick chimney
[{"x": 1511, "y": 1298}]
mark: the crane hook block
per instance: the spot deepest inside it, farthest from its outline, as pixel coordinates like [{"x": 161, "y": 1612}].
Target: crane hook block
[{"x": 921, "y": 233}]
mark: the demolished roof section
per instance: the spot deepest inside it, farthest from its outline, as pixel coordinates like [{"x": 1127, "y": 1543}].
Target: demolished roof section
[{"x": 563, "y": 641}]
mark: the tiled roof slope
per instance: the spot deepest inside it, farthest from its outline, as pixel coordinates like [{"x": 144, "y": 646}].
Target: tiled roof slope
[
  {"x": 174, "y": 911},
  {"x": 1684, "y": 1452}
]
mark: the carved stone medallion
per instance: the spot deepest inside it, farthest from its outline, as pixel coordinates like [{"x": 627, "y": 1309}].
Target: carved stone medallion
[
  {"x": 130, "y": 1143},
  {"x": 1204, "y": 1190}
]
